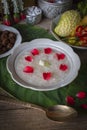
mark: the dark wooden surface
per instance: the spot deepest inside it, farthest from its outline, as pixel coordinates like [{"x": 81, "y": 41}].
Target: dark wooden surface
[{"x": 15, "y": 115}]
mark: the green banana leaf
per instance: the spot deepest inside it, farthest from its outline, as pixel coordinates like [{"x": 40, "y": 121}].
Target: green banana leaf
[{"x": 48, "y": 98}]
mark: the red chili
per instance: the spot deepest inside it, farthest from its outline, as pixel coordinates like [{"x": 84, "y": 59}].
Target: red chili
[{"x": 79, "y": 30}]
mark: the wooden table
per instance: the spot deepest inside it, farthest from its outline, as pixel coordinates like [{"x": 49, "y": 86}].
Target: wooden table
[{"x": 16, "y": 115}]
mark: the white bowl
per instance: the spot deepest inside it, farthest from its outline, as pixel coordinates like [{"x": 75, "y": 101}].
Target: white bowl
[
  {"x": 53, "y": 25},
  {"x": 73, "y": 62},
  {"x": 17, "y": 42}
]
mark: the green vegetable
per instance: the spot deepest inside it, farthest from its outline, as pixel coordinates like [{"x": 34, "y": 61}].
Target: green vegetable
[
  {"x": 72, "y": 40},
  {"x": 67, "y": 23}
]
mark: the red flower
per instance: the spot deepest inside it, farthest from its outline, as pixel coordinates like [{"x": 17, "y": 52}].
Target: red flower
[
  {"x": 35, "y": 52},
  {"x": 16, "y": 17},
  {"x": 81, "y": 94},
  {"x": 60, "y": 56},
  {"x": 47, "y": 50},
  {"x": 23, "y": 16},
  {"x": 7, "y": 20},
  {"x": 84, "y": 106},
  {"x": 29, "y": 58},
  {"x": 28, "y": 69},
  {"x": 63, "y": 67},
  {"x": 47, "y": 75},
  {"x": 70, "y": 100}
]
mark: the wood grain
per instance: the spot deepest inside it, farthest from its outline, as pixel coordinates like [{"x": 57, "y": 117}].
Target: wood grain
[{"x": 14, "y": 116}]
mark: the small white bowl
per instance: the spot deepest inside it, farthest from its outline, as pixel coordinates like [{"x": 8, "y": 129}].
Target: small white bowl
[{"x": 17, "y": 42}]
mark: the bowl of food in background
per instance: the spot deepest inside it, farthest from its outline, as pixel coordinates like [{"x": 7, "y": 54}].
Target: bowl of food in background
[
  {"x": 70, "y": 28},
  {"x": 10, "y": 38},
  {"x": 52, "y": 8}
]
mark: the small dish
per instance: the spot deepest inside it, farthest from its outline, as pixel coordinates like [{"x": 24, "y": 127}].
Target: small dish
[
  {"x": 17, "y": 42},
  {"x": 43, "y": 62},
  {"x": 53, "y": 25}
]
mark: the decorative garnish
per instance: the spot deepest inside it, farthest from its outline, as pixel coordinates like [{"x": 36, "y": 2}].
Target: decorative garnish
[
  {"x": 70, "y": 100},
  {"x": 28, "y": 69},
  {"x": 81, "y": 94},
  {"x": 29, "y": 58},
  {"x": 44, "y": 63},
  {"x": 47, "y": 75},
  {"x": 60, "y": 56},
  {"x": 63, "y": 67},
  {"x": 47, "y": 50},
  {"x": 35, "y": 52}
]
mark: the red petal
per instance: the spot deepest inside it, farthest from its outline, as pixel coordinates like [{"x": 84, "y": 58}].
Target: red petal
[
  {"x": 47, "y": 75},
  {"x": 29, "y": 58},
  {"x": 84, "y": 106},
  {"x": 35, "y": 52},
  {"x": 47, "y": 50},
  {"x": 63, "y": 67},
  {"x": 81, "y": 94},
  {"x": 28, "y": 69},
  {"x": 70, "y": 100},
  {"x": 60, "y": 56}
]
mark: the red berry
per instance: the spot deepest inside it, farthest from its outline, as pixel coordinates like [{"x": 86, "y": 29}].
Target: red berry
[
  {"x": 81, "y": 94},
  {"x": 70, "y": 100}
]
